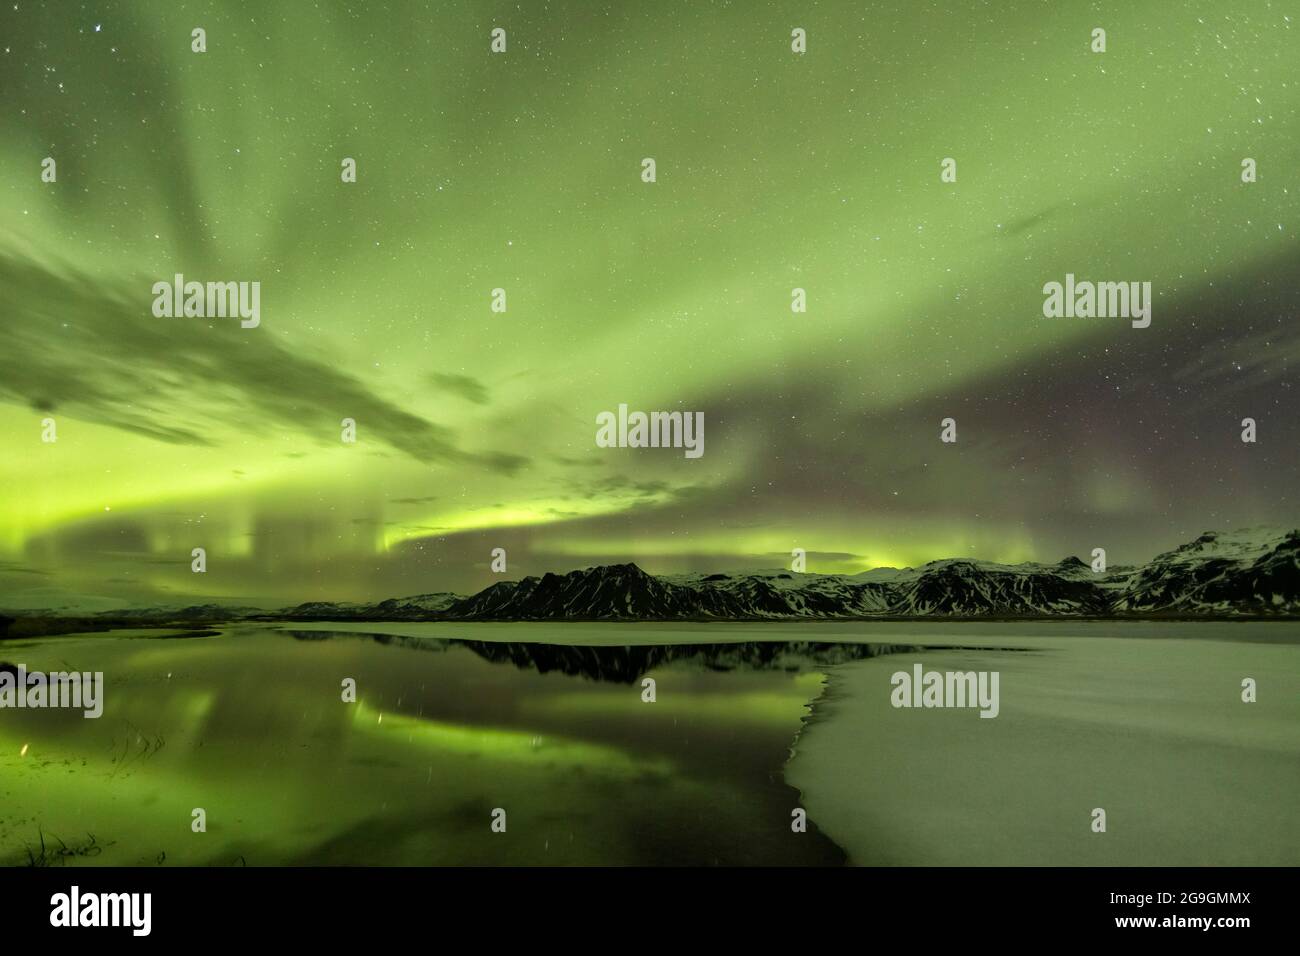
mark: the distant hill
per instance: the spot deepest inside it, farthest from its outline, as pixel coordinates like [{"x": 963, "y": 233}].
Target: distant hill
[
  {"x": 1245, "y": 573},
  {"x": 1252, "y": 573}
]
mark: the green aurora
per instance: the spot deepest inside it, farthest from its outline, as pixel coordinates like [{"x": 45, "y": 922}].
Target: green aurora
[{"x": 522, "y": 171}]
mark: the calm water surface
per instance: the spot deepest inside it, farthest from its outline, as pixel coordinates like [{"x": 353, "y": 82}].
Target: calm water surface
[{"x": 249, "y": 725}]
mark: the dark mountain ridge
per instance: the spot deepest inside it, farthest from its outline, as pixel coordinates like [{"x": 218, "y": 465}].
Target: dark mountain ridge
[{"x": 1253, "y": 573}]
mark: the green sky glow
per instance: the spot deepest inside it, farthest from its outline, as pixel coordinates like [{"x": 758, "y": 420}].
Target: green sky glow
[{"x": 522, "y": 171}]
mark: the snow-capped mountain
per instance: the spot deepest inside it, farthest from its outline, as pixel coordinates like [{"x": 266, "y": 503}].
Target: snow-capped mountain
[
  {"x": 1247, "y": 573},
  {"x": 943, "y": 588},
  {"x": 419, "y": 607},
  {"x": 194, "y": 612},
  {"x": 973, "y": 588},
  {"x": 1251, "y": 573}
]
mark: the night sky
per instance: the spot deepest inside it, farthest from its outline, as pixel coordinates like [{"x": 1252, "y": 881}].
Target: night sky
[{"x": 522, "y": 170}]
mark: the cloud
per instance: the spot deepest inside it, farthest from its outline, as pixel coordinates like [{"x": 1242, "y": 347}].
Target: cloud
[
  {"x": 7, "y": 567},
  {"x": 94, "y": 351},
  {"x": 470, "y": 389},
  {"x": 1025, "y": 224}
]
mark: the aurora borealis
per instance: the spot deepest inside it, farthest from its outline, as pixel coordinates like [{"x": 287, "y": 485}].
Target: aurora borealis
[{"x": 522, "y": 171}]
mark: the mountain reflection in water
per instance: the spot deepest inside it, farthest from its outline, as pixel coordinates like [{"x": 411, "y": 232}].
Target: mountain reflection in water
[{"x": 628, "y": 663}]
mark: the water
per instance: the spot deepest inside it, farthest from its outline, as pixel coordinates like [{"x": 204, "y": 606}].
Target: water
[
  {"x": 249, "y": 725},
  {"x": 547, "y": 723}
]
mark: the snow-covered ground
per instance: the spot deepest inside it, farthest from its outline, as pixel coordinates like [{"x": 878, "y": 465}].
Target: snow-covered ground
[{"x": 1151, "y": 730}]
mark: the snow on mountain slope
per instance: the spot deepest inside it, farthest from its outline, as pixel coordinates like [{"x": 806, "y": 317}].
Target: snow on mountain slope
[
  {"x": 1248, "y": 572},
  {"x": 1253, "y": 571}
]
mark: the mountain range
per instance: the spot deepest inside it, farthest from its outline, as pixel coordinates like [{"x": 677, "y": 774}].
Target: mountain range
[{"x": 1251, "y": 573}]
